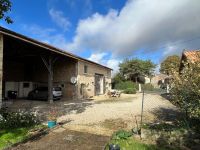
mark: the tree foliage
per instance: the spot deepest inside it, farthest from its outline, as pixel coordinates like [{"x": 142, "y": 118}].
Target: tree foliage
[
  {"x": 5, "y": 7},
  {"x": 133, "y": 68},
  {"x": 186, "y": 89},
  {"x": 170, "y": 64},
  {"x": 118, "y": 78}
]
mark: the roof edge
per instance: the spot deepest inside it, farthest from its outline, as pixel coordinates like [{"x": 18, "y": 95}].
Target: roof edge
[{"x": 46, "y": 46}]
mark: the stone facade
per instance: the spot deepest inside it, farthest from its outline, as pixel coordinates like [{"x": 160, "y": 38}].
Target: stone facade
[
  {"x": 86, "y": 81},
  {"x": 32, "y": 69},
  {"x": 63, "y": 71}
]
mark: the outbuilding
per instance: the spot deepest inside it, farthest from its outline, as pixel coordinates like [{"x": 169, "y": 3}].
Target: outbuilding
[{"x": 26, "y": 63}]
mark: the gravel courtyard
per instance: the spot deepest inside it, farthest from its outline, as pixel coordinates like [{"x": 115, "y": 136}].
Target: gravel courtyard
[
  {"x": 103, "y": 115},
  {"x": 89, "y": 124}
]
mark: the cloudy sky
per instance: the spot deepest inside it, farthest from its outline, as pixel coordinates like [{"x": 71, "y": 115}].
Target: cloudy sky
[{"x": 108, "y": 31}]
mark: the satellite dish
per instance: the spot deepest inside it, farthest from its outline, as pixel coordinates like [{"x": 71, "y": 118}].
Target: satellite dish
[{"x": 73, "y": 80}]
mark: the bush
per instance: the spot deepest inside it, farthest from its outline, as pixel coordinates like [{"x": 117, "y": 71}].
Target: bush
[
  {"x": 130, "y": 91},
  {"x": 147, "y": 87},
  {"x": 125, "y": 85},
  {"x": 17, "y": 119},
  {"x": 185, "y": 89},
  {"x": 122, "y": 134},
  {"x": 124, "y": 140}
]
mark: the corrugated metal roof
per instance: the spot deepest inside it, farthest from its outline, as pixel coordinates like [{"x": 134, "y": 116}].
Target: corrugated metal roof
[{"x": 46, "y": 46}]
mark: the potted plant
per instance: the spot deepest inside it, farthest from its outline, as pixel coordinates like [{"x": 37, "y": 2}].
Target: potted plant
[{"x": 52, "y": 118}]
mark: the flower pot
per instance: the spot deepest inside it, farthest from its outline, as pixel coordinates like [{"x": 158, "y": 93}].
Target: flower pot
[{"x": 51, "y": 124}]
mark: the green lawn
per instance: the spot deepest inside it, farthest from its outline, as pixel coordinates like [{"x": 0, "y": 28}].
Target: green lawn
[{"x": 9, "y": 137}]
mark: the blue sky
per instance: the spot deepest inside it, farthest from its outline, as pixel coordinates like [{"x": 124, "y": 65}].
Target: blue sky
[{"x": 108, "y": 31}]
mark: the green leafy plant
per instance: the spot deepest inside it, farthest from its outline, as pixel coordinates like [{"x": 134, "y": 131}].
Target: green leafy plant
[
  {"x": 130, "y": 91},
  {"x": 17, "y": 119},
  {"x": 147, "y": 87},
  {"x": 125, "y": 141},
  {"x": 5, "y": 7},
  {"x": 185, "y": 89},
  {"x": 122, "y": 134},
  {"x": 170, "y": 64},
  {"x": 125, "y": 85}
]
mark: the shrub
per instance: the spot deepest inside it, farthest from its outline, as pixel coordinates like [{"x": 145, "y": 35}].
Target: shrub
[
  {"x": 17, "y": 119},
  {"x": 147, "y": 87},
  {"x": 130, "y": 91},
  {"x": 185, "y": 89},
  {"x": 125, "y": 85},
  {"x": 122, "y": 134}
]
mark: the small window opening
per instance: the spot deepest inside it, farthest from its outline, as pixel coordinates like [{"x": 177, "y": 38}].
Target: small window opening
[{"x": 85, "y": 69}]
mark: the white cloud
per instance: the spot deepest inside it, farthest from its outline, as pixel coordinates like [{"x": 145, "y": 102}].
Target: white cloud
[
  {"x": 47, "y": 35},
  {"x": 114, "y": 64},
  {"x": 141, "y": 24},
  {"x": 59, "y": 18},
  {"x": 98, "y": 57},
  {"x": 102, "y": 59}
]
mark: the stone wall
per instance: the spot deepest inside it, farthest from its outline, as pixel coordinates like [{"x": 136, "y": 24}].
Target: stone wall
[
  {"x": 63, "y": 71},
  {"x": 86, "y": 81}
]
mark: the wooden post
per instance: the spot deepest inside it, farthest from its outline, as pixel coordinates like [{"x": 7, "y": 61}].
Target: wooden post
[
  {"x": 1, "y": 68},
  {"x": 49, "y": 65},
  {"x": 50, "y": 81}
]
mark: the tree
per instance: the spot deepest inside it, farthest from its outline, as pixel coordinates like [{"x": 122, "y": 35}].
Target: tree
[
  {"x": 117, "y": 78},
  {"x": 171, "y": 63},
  {"x": 5, "y": 7},
  {"x": 185, "y": 89},
  {"x": 132, "y": 69}
]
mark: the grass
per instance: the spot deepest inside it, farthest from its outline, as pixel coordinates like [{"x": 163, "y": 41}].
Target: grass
[
  {"x": 125, "y": 140},
  {"x": 132, "y": 144},
  {"x": 12, "y": 136},
  {"x": 9, "y": 137},
  {"x": 175, "y": 136},
  {"x": 114, "y": 124}
]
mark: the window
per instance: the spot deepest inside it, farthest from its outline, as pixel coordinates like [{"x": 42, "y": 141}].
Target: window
[{"x": 85, "y": 69}]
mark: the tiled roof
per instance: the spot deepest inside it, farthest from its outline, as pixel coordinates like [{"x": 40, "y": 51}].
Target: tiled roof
[{"x": 192, "y": 55}]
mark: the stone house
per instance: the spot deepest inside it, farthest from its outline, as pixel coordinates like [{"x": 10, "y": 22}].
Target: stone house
[{"x": 26, "y": 63}]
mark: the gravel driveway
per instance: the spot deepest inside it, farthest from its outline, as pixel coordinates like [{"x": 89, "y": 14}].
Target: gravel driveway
[
  {"x": 102, "y": 112},
  {"x": 89, "y": 124}
]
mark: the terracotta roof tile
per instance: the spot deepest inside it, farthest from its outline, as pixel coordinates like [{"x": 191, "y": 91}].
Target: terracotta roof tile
[{"x": 192, "y": 55}]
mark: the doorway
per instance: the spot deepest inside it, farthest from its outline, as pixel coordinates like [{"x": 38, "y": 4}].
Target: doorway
[{"x": 99, "y": 84}]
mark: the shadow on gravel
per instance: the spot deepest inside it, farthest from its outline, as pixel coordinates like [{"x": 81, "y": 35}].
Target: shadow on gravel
[
  {"x": 167, "y": 114},
  {"x": 42, "y": 108},
  {"x": 171, "y": 130}
]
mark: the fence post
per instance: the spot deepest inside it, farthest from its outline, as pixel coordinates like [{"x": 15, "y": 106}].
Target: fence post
[{"x": 142, "y": 113}]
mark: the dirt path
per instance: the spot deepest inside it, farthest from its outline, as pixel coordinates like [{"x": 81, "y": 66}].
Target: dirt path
[{"x": 66, "y": 140}]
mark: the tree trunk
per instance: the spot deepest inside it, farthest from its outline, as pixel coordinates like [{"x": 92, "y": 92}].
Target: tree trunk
[
  {"x": 49, "y": 65},
  {"x": 140, "y": 89}
]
